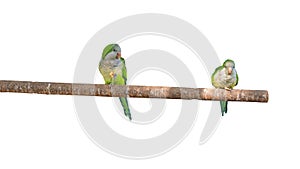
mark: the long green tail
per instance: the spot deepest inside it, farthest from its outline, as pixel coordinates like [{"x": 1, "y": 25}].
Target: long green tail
[
  {"x": 125, "y": 106},
  {"x": 223, "y": 107}
]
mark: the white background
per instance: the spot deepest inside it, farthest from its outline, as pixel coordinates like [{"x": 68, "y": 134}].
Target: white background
[{"x": 41, "y": 41}]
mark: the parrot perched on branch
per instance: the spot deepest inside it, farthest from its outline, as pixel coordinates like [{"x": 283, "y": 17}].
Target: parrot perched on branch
[
  {"x": 225, "y": 77},
  {"x": 113, "y": 69}
]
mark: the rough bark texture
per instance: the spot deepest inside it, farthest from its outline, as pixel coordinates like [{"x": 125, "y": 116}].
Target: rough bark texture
[{"x": 163, "y": 92}]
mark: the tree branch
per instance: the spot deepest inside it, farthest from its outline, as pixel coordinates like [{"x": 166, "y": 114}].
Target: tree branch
[{"x": 163, "y": 92}]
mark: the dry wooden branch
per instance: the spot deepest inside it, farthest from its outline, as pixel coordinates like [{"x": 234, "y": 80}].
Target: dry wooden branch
[{"x": 50, "y": 88}]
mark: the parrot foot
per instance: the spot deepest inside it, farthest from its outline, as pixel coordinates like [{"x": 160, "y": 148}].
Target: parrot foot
[
  {"x": 228, "y": 89},
  {"x": 111, "y": 74}
]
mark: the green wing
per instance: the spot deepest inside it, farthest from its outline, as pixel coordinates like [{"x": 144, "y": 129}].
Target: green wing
[
  {"x": 124, "y": 70},
  {"x": 237, "y": 80},
  {"x": 122, "y": 80}
]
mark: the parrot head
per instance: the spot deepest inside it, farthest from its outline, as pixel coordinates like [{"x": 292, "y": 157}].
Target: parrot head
[
  {"x": 111, "y": 52},
  {"x": 229, "y": 65}
]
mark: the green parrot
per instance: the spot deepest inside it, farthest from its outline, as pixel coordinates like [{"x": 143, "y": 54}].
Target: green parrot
[
  {"x": 113, "y": 69},
  {"x": 225, "y": 77}
]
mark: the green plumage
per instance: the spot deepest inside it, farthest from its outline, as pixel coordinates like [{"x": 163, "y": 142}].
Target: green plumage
[
  {"x": 223, "y": 107},
  {"x": 225, "y": 77},
  {"x": 113, "y": 69},
  {"x": 107, "y": 50}
]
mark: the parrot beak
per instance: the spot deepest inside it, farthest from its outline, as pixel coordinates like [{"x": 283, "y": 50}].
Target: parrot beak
[
  {"x": 229, "y": 70},
  {"x": 118, "y": 55}
]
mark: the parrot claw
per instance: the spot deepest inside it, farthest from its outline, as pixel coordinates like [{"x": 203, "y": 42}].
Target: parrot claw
[
  {"x": 228, "y": 89},
  {"x": 111, "y": 74}
]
